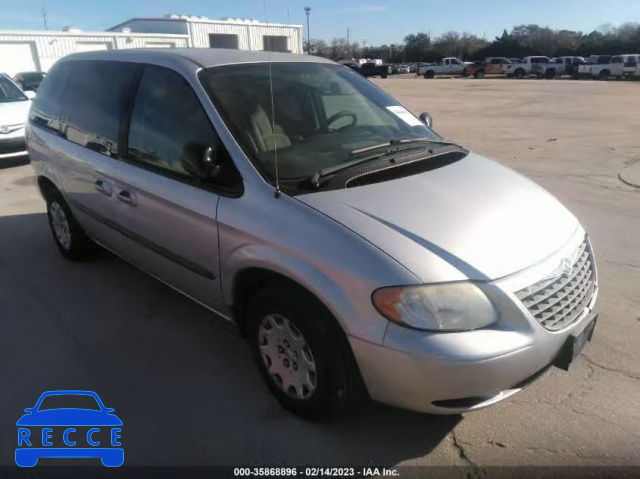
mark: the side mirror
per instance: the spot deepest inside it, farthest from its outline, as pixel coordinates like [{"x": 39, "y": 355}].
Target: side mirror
[
  {"x": 109, "y": 410},
  {"x": 426, "y": 119},
  {"x": 29, "y": 410},
  {"x": 201, "y": 161},
  {"x": 30, "y": 94}
]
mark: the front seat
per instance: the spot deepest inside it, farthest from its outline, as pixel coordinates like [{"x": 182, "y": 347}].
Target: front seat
[{"x": 262, "y": 135}]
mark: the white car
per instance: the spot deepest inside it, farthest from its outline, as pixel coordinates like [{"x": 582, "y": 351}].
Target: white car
[{"x": 14, "y": 109}]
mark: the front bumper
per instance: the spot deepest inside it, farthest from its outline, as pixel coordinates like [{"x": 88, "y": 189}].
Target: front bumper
[
  {"x": 452, "y": 373},
  {"x": 13, "y": 144}
]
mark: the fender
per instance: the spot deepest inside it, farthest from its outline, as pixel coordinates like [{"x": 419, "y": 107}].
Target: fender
[{"x": 316, "y": 278}]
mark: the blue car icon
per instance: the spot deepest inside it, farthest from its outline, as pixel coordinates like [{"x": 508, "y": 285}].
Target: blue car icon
[{"x": 69, "y": 424}]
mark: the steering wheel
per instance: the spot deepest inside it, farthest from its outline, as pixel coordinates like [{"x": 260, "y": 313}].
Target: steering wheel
[{"x": 342, "y": 114}]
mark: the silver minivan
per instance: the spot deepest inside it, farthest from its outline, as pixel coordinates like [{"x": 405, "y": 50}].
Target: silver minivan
[{"x": 360, "y": 253}]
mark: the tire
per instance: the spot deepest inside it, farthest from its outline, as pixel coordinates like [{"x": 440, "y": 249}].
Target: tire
[
  {"x": 550, "y": 74},
  {"x": 429, "y": 74},
  {"x": 603, "y": 75},
  {"x": 384, "y": 75},
  {"x": 479, "y": 74},
  {"x": 287, "y": 324},
  {"x": 465, "y": 73},
  {"x": 69, "y": 237},
  {"x": 519, "y": 74}
]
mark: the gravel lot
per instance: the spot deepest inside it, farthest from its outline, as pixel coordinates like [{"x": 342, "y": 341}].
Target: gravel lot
[{"x": 182, "y": 380}]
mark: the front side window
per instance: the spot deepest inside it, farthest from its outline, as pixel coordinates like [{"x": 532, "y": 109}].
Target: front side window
[
  {"x": 95, "y": 99},
  {"x": 616, "y": 60},
  {"x": 321, "y": 115},
  {"x": 167, "y": 123},
  {"x": 9, "y": 92}
]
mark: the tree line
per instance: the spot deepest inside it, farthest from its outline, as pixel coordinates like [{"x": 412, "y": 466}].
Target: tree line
[{"x": 522, "y": 40}]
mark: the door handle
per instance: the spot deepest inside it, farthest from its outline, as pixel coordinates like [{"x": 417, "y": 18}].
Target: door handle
[
  {"x": 127, "y": 197},
  {"x": 103, "y": 187}
]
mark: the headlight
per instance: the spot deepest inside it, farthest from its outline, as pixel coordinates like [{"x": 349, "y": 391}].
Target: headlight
[{"x": 442, "y": 307}]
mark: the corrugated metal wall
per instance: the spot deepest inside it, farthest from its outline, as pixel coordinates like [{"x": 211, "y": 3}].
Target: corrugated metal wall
[
  {"x": 250, "y": 36},
  {"x": 49, "y": 48}
]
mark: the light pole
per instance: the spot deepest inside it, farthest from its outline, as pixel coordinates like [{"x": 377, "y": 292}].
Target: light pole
[{"x": 307, "y": 10}]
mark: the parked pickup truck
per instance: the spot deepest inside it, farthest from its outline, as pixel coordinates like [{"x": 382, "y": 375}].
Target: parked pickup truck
[
  {"x": 561, "y": 66},
  {"x": 446, "y": 66},
  {"x": 619, "y": 66},
  {"x": 491, "y": 66},
  {"x": 527, "y": 66},
  {"x": 593, "y": 66},
  {"x": 369, "y": 69}
]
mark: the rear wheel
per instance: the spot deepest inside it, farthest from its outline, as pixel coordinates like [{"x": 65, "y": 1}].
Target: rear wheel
[
  {"x": 429, "y": 74},
  {"x": 479, "y": 74},
  {"x": 72, "y": 242},
  {"x": 604, "y": 75},
  {"x": 465, "y": 73},
  {"x": 384, "y": 74},
  {"x": 519, "y": 74},
  {"x": 302, "y": 353}
]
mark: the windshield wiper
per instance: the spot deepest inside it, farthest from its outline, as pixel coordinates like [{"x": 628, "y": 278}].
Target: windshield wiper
[
  {"x": 323, "y": 173},
  {"x": 398, "y": 142}
]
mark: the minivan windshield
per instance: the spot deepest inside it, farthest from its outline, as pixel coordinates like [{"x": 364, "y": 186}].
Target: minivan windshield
[
  {"x": 322, "y": 115},
  {"x": 10, "y": 92}
]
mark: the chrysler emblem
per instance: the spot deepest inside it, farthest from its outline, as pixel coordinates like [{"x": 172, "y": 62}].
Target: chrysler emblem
[{"x": 565, "y": 266}]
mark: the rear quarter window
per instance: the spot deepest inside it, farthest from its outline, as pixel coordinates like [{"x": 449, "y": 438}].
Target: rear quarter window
[{"x": 45, "y": 111}]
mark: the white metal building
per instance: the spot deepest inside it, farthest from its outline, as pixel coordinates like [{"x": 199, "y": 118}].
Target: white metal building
[
  {"x": 237, "y": 33},
  {"x": 39, "y": 50}
]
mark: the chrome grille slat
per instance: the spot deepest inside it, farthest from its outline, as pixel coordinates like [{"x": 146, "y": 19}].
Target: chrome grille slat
[
  {"x": 574, "y": 282},
  {"x": 534, "y": 289},
  {"x": 558, "y": 301}
]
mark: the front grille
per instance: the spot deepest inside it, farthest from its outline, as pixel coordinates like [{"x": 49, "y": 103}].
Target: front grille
[
  {"x": 559, "y": 300},
  {"x": 12, "y": 146}
]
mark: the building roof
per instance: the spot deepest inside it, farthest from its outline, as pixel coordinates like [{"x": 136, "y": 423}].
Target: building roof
[
  {"x": 196, "y": 19},
  {"x": 204, "y": 57}
]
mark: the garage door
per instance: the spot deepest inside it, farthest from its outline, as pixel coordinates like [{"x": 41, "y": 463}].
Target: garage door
[
  {"x": 92, "y": 46},
  {"x": 17, "y": 57}
]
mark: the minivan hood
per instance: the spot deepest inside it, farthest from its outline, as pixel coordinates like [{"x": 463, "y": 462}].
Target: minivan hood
[
  {"x": 481, "y": 219},
  {"x": 14, "y": 112}
]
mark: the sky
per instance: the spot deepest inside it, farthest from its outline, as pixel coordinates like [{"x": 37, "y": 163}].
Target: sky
[{"x": 376, "y": 21}]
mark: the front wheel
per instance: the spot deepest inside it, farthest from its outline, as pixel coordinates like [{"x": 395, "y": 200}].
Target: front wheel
[
  {"x": 302, "y": 354},
  {"x": 479, "y": 74},
  {"x": 519, "y": 74},
  {"x": 429, "y": 74}
]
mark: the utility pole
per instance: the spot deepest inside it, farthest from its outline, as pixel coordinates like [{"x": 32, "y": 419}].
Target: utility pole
[
  {"x": 364, "y": 46},
  {"x": 307, "y": 10},
  {"x": 349, "y": 41},
  {"x": 44, "y": 19}
]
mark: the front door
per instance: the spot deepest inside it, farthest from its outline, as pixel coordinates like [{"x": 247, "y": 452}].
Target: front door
[{"x": 168, "y": 220}]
